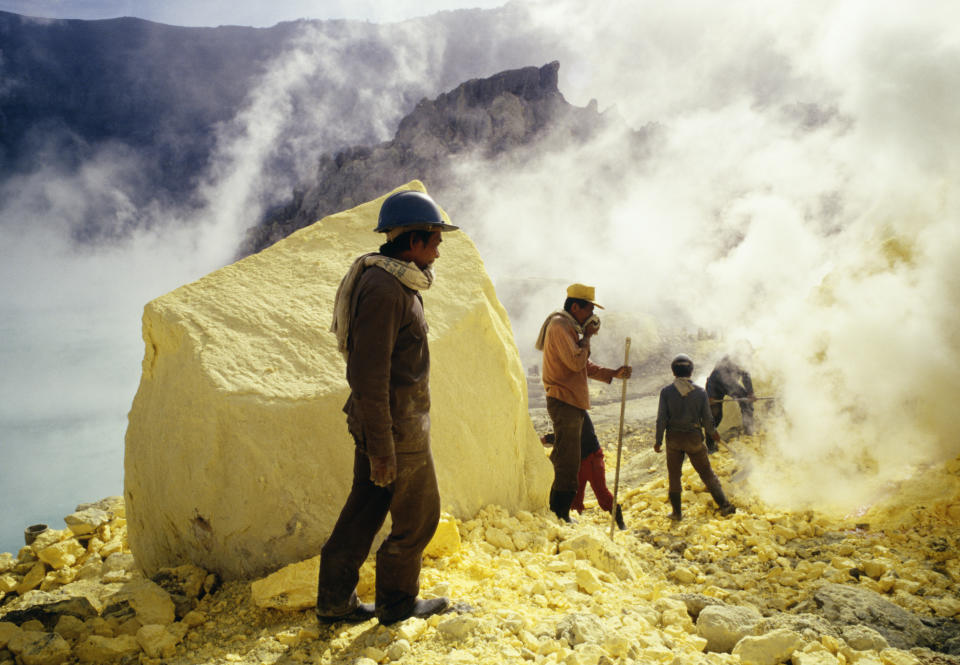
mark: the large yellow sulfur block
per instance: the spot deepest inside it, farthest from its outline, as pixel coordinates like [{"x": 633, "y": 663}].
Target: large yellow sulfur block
[{"x": 237, "y": 455}]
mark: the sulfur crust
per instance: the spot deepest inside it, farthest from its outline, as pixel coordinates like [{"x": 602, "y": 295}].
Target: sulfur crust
[{"x": 237, "y": 454}]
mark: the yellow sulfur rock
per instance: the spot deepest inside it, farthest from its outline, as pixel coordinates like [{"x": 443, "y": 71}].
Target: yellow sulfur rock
[
  {"x": 587, "y": 579},
  {"x": 8, "y": 583},
  {"x": 875, "y": 568},
  {"x": 898, "y": 657},
  {"x": 945, "y": 607},
  {"x": 293, "y": 587},
  {"x": 657, "y": 654},
  {"x": 886, "y": 583},
  {"x": 62, "y": 554},
  {"x": 32, "y": 579},
  {"x": 814, "y": 658},
  {"x": 905, "y": 585},
  {"x": 831, "y": 643},
  {"x": 446, "y": 540},
  {"x": 236, "y": 436},
  {"x": 411, "y": 629},
  {"x": 499, "y": 538},
  {"x": 684, "y": 575}
]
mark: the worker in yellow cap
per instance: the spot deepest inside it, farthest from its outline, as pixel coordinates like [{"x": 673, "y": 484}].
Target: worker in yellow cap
[{"x": 565, "y": 341}]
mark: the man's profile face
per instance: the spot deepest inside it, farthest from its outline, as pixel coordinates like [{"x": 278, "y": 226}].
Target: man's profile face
[
  {"x": 425, "y": 254},
  {"x": 581, "y": 313}
]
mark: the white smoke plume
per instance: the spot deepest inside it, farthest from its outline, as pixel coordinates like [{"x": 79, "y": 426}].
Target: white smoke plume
[
  {"x": 801, "y": 193},
  {"x": 71, "y": 311}
]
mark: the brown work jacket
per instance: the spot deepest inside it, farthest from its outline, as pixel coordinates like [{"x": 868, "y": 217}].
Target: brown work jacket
[{"x": 388, "y": 367}]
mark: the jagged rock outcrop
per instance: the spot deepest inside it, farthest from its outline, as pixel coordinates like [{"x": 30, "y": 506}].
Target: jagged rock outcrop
[
  {"x": 845, "y": 605},
  {"x": 484, "y": 118},
  {"x": 237, "y": 453}
]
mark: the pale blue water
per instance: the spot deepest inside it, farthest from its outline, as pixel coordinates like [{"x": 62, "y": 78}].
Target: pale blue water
[
  {"x": 68, "y": 378},
  {"x": 49, "y": 466}
]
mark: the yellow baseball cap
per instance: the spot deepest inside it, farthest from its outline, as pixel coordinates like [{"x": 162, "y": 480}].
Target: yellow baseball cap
[{"x": 583, "y": 292}]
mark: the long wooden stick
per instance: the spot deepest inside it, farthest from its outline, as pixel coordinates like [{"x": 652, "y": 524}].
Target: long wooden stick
[{"x": 623, "y": 406}]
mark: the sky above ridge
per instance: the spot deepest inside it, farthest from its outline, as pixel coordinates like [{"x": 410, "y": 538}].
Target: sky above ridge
[{"x": 237, "y": 12}]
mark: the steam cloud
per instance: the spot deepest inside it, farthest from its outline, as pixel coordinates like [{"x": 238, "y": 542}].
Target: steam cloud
[
  {"x": 799, "y": 191},
  {"x": 801, "y": 194}
]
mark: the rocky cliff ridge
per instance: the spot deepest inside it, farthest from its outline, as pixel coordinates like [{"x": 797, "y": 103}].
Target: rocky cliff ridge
[{"x": 517, "y": 112}]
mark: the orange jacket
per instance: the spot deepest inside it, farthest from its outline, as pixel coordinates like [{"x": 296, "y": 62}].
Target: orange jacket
[{"x": 566, "y": 365}]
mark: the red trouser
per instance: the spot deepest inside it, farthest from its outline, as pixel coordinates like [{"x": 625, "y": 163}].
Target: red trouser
[{"x": 593, "y": 470}]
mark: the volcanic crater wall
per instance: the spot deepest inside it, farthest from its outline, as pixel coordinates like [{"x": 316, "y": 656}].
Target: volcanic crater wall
[{"x": 238, "y": 457}]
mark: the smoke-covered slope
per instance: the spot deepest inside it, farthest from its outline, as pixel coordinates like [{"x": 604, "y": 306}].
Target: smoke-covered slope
[
  {"x": 508, "y": 116},
  {"x": 158, "y": 111},
  {"x": 148, "y": 85}
]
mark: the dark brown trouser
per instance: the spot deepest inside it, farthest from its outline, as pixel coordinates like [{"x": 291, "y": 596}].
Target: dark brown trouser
[
  {"x": 567, "y": 423},
  {"x": 413, "y": 501},
  {"x": 690, "y": 444}
]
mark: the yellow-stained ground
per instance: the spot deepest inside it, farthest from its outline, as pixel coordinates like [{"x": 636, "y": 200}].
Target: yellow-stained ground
[{"x": 519, "y": 578}]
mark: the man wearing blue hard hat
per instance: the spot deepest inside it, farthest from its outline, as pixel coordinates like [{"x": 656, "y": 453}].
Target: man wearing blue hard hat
[{"x": 382, "y": 332}]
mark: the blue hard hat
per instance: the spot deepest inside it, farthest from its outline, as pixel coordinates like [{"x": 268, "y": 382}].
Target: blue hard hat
[{"x": 413, "y": 209}]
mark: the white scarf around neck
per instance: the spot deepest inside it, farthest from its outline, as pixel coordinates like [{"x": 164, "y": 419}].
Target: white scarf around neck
[
  {"x": 684, "y": 385},
  {"x": 407, "y": 272}
]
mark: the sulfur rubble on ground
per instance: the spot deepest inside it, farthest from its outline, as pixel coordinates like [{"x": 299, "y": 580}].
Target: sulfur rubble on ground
[
  {"x": 760, "y": 587},
  {"x": 237, "y": 453}
]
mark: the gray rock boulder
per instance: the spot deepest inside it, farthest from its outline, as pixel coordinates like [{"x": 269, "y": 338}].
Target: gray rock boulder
[
  {"x": 811, "y": 626},
  {"x": 580, "y": 628},
  {"x": 845, "y": 605},
  {"x": 725, "y": 625},
  {"x": 82, "y": 600},
  {"x": 39, "y": 648},
  {"x": 863, "y": 638},
  {"x": 695, "y": 602}
]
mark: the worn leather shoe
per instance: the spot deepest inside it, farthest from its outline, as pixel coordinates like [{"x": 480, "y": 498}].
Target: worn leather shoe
[
  {"x": 421, "y": 609},
  {"x": 362, "y": 612},
  {"x": 728, "y": 509}
]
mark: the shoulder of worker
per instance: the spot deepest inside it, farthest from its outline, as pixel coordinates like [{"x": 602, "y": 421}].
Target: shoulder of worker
[
  {"x": 557, "y": 321},
  {"x": 376, "y": 277}
]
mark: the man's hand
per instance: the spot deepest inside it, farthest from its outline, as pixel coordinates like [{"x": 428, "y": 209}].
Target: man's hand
[
  {"x": 657, "y": 447},
  {"x": 591, "y": 329},
  {"x": 623, "y": 372},
  {"x": 383, "y": 470}
]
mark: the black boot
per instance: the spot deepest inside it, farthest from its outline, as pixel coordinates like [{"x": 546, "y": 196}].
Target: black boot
[
  {"x": 726, "y": 508},
  {"x": 560, "y": 504},
  {"x": 676, "y": 515},
  {"x": 419, "y": 608},
  {"x": 618, "y": 517},
  {"x": 554, "y": 508}
]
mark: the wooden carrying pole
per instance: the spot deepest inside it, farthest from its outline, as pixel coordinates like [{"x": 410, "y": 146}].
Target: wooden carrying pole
[{"x": 623, "y": 406}]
